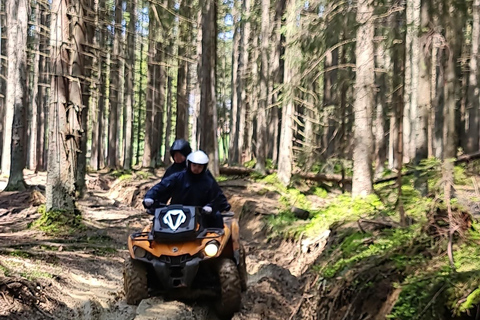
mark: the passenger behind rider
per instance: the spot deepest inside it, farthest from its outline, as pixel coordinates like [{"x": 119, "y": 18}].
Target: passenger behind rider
[
  {"x": 179, "y": 151},
  {"x": 192, "y": 187}
]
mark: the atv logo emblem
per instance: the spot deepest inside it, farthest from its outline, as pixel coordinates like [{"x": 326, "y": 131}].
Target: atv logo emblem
[{"x": 174, "y": 219}]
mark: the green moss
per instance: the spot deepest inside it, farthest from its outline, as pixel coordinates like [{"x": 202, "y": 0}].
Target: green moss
[
  {"x": 459, "y": 175},
  {"x": 320, "y": 192},
  {"x": 58, "y": 222},
  {"x": 144, "y": 175},
  {"x": 20, "y": 254},
  {"x": 6, "y": 271},
  {"x": 389, "y": 245},
  {"x": 34, "y": 274},
  {"x": 284, "y": 225},
  {"x": 343, "y": 209},
  {"x": 119, "y": 173}
]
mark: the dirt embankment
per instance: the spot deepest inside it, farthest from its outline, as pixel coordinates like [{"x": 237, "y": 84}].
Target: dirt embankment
[{"x": 80, "y": 275}]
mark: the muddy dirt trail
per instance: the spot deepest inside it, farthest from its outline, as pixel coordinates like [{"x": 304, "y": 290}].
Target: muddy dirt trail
[{"x": 79, "y": 276}]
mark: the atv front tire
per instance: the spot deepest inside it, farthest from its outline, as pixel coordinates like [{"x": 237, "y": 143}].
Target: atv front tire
[
  {"x": 134, "y": 281},
  {"x": 230, "y": 288}
]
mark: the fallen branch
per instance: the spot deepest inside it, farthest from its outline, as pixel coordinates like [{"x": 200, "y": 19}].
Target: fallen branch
[{"x": 337, "y": 178}]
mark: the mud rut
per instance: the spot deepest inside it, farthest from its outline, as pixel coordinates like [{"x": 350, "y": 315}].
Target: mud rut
[{"x": 86, "y": 274}]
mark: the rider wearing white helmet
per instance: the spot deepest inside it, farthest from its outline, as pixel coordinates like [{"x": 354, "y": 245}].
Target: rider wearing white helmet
[{"x": 192, "y": 187}]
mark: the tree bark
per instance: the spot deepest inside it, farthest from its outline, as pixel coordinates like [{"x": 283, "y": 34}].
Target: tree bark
[
  {"x": 42, "y": 97},
  {"x": 95, "y": 94},
  {"x": 363, "y": 106},
  {"x": 129, "y": 86},
  {"x": 262, "y": 107},
  {"x": 141, "y": 95},
  {"x": 208, "y": 111},
  {"x": 451, "y": 83},
  {"x": 65, "y": 105},
  {"x": 181, "y": 124},
  {"x": 277, "y": 72},
  {"x": 116, "y": 94},
  {"x": 233, "y": 150},
  {"x": 252, "y": 109},
  {"x": 285, "y": 157},
  {"x": 423, "y": 94},
  {"x": 407, "y": 125},
  {"x": 242, "y": 80},
  {"x": 34, "y": 105},
  {"x": 381, "y": 107},
  {"x": 168, "y": 136},
  {"x": 17, "y": 24},
  {"x": 473, "y": 88},
  {"x": 151, "y": 76},
  {"x": 2, "y": 89},
  {"x": 415, "y": 118}
]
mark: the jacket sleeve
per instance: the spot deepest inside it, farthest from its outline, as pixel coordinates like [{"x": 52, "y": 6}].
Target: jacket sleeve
[
  {"x": 163, "y": 190},
  {"x": 218, "y": 202}
]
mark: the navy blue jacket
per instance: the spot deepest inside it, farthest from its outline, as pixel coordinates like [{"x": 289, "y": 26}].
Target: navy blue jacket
[
  {"x": 174, "y": 168},
  {"x": 190, "y": 190}
]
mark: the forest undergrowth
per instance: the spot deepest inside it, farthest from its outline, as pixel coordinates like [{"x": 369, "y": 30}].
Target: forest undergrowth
[{"x": 374, "y": 267}]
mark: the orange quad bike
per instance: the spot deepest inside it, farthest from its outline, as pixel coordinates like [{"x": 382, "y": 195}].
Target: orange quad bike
[{"x": 177, "y": 255}]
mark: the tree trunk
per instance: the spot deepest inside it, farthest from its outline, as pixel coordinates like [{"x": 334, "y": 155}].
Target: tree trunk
[
  {"x": 285, "y": 157},
  {"x": 129, "y": 81},
  {"x": 168, "y": 130},
  {"x": 415, "y": 118},
  {"x": 196, "y": 76},
  {"x": 253, "y": 105},
  {"x": 208, "y": 110},
  {"x": 363, "y": 106},
  {"x": 148, "y": 148},
  {"x": 95, "y": 95},
  {"x": 181, "y": 124},
  {"x": 423, "y": 94},
  {"x": 17, "y": 24},
  {"x": 141, "y": 94},
  {"x": 42, "y": 98},
  {"x": 381, "y": 108},
  {"x": 242, "y": 80},
  {"x": 35, "y": 107},
  {"x": 2, "y": 88},
  {"x": 103, "y": 66},
  {"x": 116, "y": 94},
  {"x": 451, "y": 83},
  {"x": 66, "y": 104},
  {"x": 277, "y": 79},
  {"x": 233, "y": 150},
  {"x": 159, "y": 99},
  {"x": 407, "y": 125},
  {"x": 473, "y": 89},
  {"x": 262, "y": 108}
]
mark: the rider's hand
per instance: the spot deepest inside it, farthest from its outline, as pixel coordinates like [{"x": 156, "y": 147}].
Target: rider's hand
[
  {"x": 147, "y": 202},
  {"x": 207, "y": 209}
]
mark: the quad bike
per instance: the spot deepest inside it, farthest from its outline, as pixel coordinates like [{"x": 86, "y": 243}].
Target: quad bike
[{"x": 176, "y": 253}]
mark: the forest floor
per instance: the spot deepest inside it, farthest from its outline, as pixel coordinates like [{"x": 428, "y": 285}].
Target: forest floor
[
  {"x": 79, "y": 275},
  {"x": 298, "y": 269}
]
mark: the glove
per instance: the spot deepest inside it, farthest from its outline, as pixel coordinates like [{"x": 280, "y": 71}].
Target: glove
[
  {"x": 207, "y": 209},
  {"x": 147, "y": 202}
]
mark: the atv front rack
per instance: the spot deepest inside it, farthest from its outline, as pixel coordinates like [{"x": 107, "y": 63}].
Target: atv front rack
[{"x": 202, "y": 235}]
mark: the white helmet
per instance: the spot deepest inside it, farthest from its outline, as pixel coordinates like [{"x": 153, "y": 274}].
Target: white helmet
[{"x": 197, "y": 157}]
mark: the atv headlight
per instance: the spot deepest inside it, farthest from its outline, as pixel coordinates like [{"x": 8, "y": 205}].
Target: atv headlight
[
  {"x": 139, "y": 252},
  {"x": 211, "y": 249}
]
